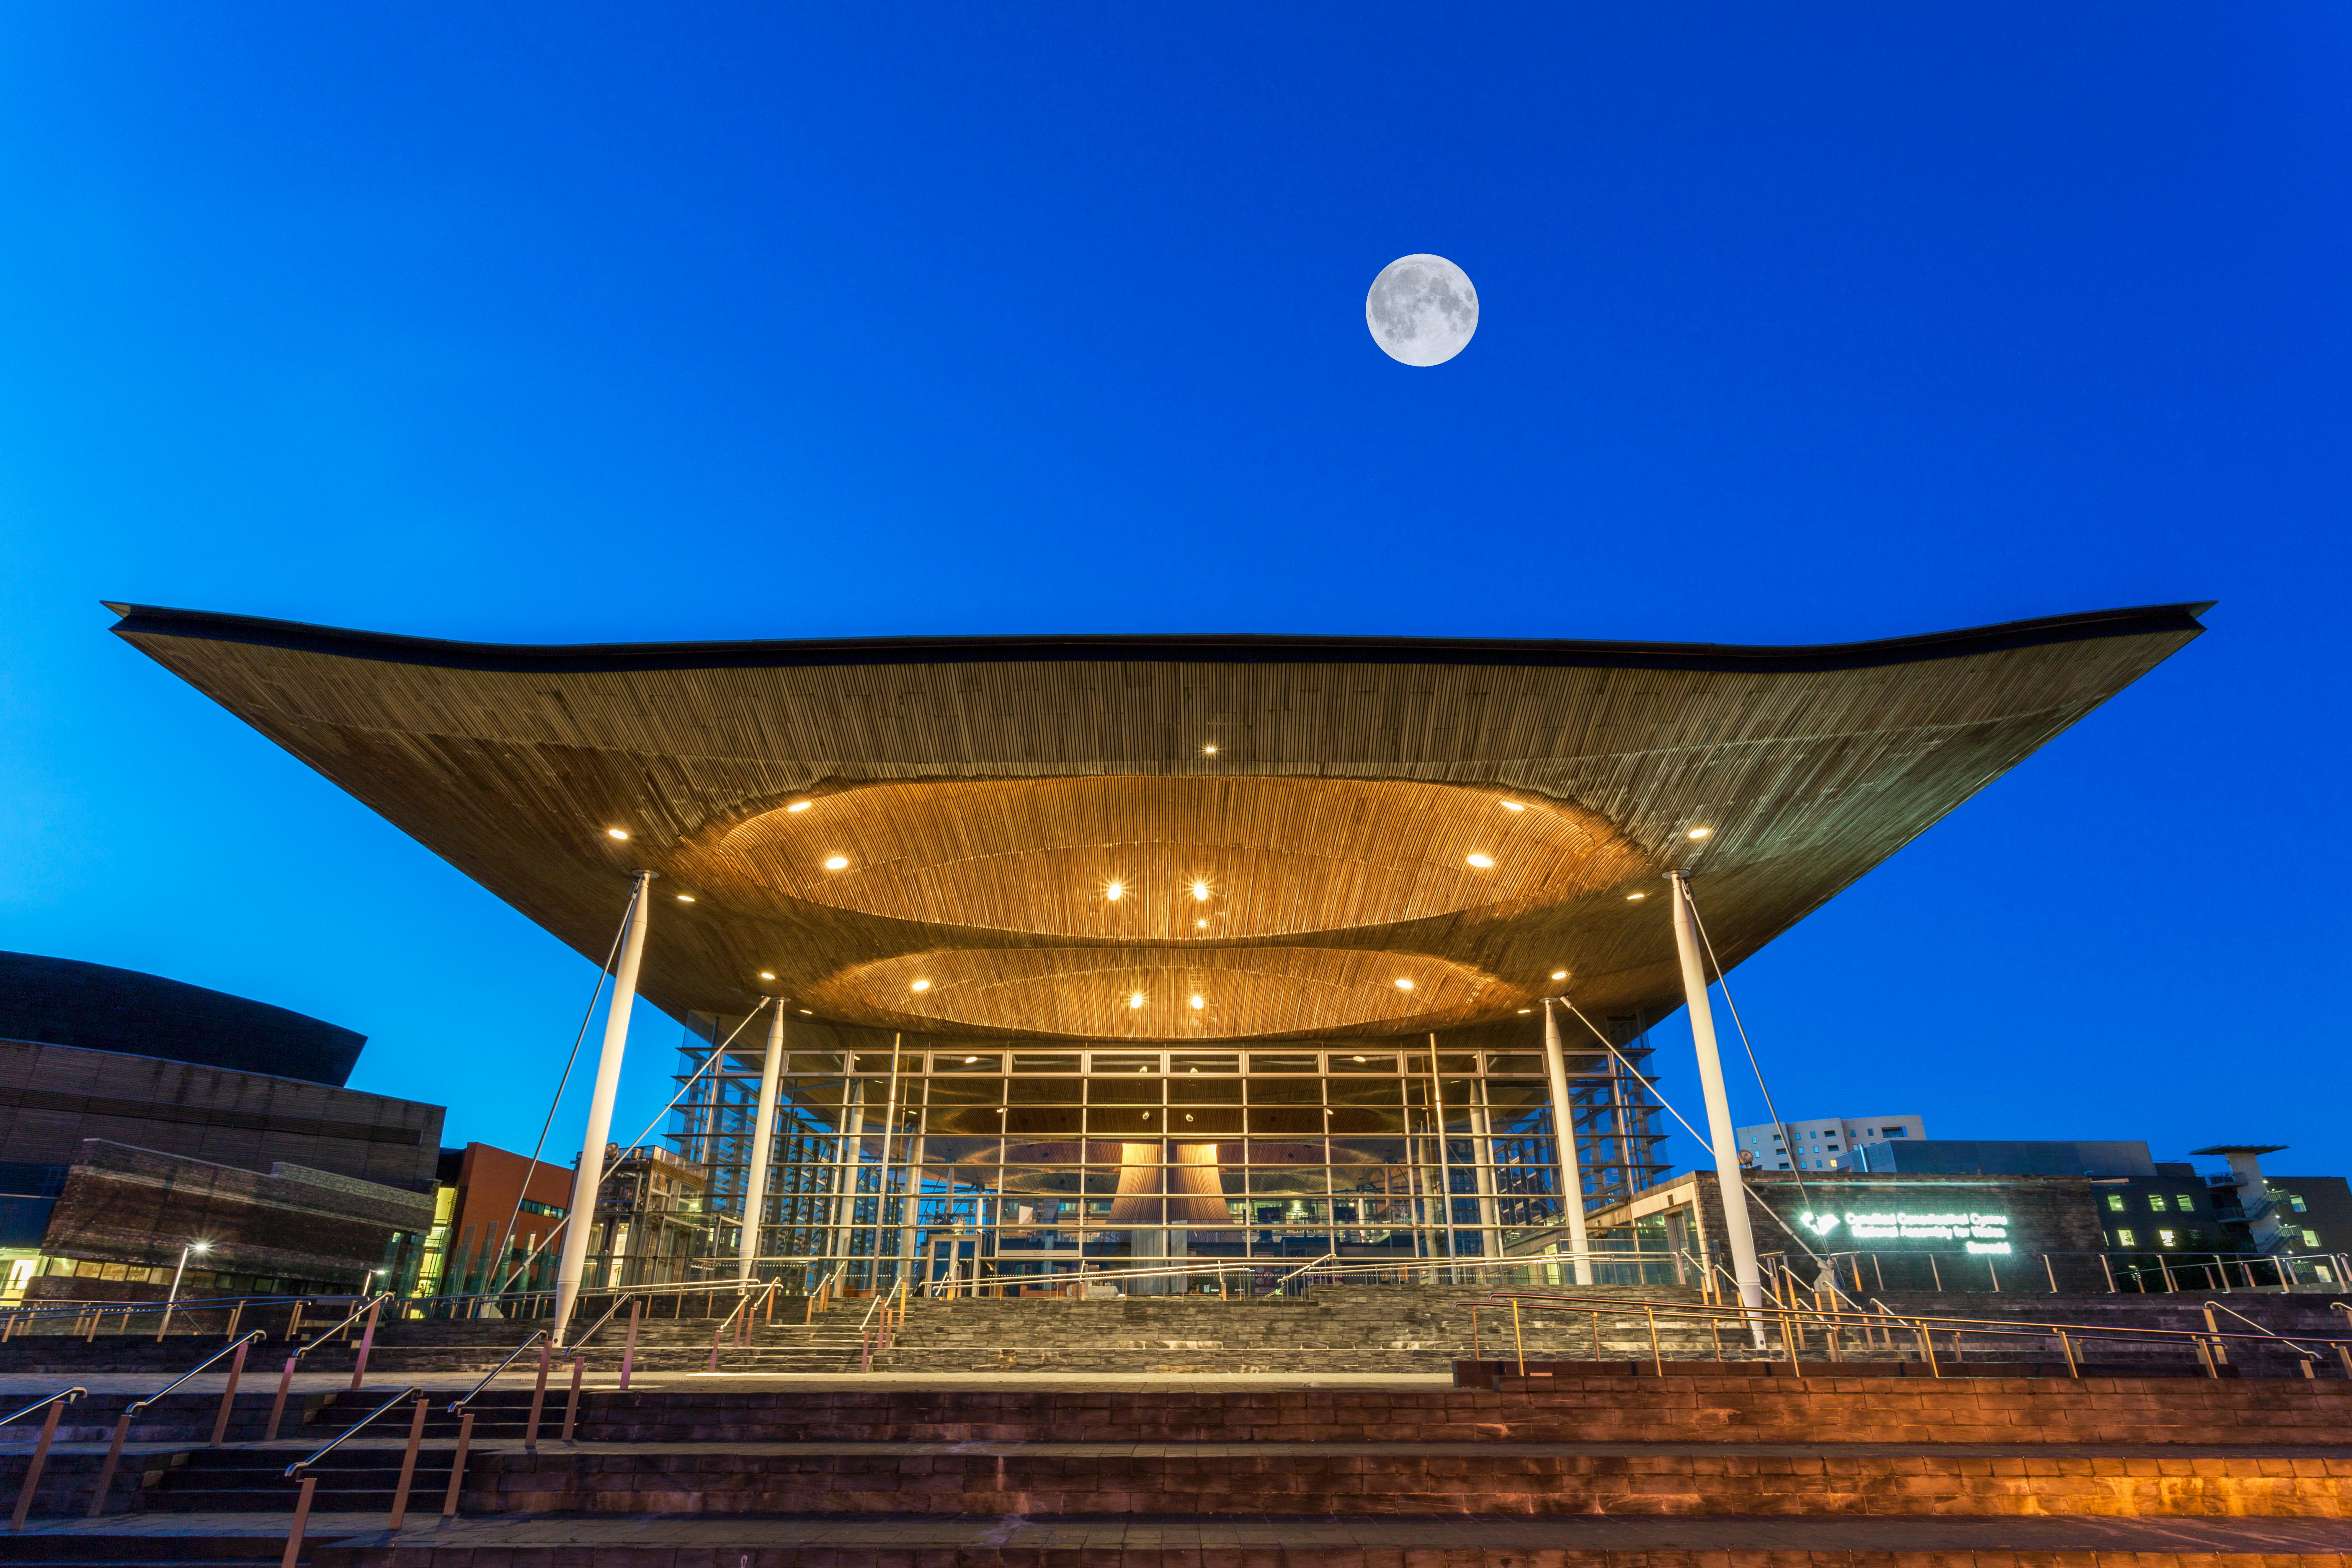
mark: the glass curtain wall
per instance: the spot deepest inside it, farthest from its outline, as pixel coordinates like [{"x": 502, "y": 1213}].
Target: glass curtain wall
[{"x": 905, "y": 1157}]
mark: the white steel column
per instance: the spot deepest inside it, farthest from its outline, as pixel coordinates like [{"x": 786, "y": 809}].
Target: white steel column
[
  {"x": 763, "y": 1135},
  {"x": 581, "y": 1218},
  {"x": 1563, "y": 1122},
  {"x": 1736, "y": 1232}
]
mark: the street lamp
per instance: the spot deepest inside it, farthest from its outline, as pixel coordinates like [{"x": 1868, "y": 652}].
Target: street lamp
[{"x": 173, "y": 1299}]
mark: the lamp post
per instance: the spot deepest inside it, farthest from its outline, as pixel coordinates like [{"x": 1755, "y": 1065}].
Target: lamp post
[{"x": 173, "y": 1299}]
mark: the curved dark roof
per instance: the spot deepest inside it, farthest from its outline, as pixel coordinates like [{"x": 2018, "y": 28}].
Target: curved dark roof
[
  {"x": 150, "y": 620},
  {"x": 1466, "y": 816},
  {"x": 64, "y": 1002}
]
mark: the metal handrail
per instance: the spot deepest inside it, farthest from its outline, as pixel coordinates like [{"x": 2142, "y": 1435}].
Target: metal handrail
[
  {"x": 357, "y": 1313},
  {"x": 623, "y": 1299},
  {"x": 299, "y": 1466},
  {"x": 468, "y": 1399},
  {"x": 2212, "y": 1306},
  {"x": 2010, "y": 1326},
  {"x": 233, "y": 1345},
  {"x": 1331, "y": 1256},
  {"x": 45, "y": 1400}
]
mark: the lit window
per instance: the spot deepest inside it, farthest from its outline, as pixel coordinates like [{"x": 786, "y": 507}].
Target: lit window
[
  {"x": 2166, "y": 1238},
  {"x": 2115, "y": 1202},
  {"x": 2123, "y": 1238},
  {"x": 2311, "y": 1238},
  {"x": 2296, "y": 1202},
  {"x": 2185, "y": 1202},
  {"x": 2155, "y": 1202}
]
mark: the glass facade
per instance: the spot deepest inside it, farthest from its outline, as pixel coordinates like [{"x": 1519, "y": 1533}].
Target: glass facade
[{"x": 901, "y": 1157}]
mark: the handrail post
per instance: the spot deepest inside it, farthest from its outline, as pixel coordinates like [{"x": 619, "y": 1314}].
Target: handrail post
[
  {"x": 228, "y": 1396},
  {"x": 2067, "y": 1344},
  {"x": 278, "y": 1409},
  {"x": 106, "y": 1470},
  {"x": 301, "y": 1519},
  {"x": 1657, "y": 1356},
  {"x": 40, "y": 1457},
  {"x": 408, "y": 1466},
  {"x": 458, "y": 1465},
  {"x": 367, "y": 1343},
  {"x": 235, "y": 1313},
  {"x": 538, "y": 1401},
  {"x": 1518, "y": 1341},
  {"x": 1928, "y": 1345},
  {"x": 572, "y": 1405},
  {"x": 629, "y": 1353}
]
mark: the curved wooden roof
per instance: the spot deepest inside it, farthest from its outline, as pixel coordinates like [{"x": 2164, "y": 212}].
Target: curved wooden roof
[{"x": 1163, "y": 838}]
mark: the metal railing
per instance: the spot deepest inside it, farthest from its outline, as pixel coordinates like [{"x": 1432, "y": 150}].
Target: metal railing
[
  {"x": 55, "y": 1404},
  {"x": 294, "y": 1471},
  {"x": 368, "y": 1308},
  {"x": 1883, "y": 1334},
  {"x": 220, "y": 1420}
]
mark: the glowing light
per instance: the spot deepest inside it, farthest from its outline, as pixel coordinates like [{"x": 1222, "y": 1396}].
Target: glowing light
[
  {"x": 800, "y": 805},
  {"x": 1481, "y": 861},
  {"x": 1526, "y": 1009},
  {"x": 835, "y": 862},
  {"x": 686, "y": 898},
  {"x": 615, "y": 833},
  {"x": 1635, "y": 897},
  {"x": 1209, "y": 751},
  {"x": 1201, "y": 925},
  {"x": 1136, "y": 1000},
  {"x": 1357, "y": 1059},
  {"x": 1698, "y": 833},
  {"x": 1188, "y": 1116},
  {"x": 1403, "y": 984},
  {"x": 806, "y": 1014},
  {"x": 1201, "y": 891},
  {"x": 1199, "y": 1002},
  {"x": 1114, "y": 891},
  {"x": 1513, "y": 805},
  {"x": 765, "y": 975},
  {"x": 1560, "y": 974},
  {"x": 920, "y": 985},
  {"x": 968, "y": 1061}
]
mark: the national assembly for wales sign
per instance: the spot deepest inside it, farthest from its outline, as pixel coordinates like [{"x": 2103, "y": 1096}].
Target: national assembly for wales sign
[{"x": 1980, "y": 1233}]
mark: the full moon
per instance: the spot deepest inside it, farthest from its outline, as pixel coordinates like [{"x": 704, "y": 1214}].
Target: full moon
[{"x": 1422, "y": 309}]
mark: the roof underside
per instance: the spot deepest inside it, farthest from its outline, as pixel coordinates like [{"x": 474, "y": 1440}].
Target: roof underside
[{"x": 986, "y": 796}]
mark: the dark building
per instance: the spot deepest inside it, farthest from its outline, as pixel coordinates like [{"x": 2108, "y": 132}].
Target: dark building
[
  {"x": 2315, "y": 1213},
  {"x": 64, "y": 1002},
  {"x": 2143, "y": 1204},
  {"x": 119, "y": 1148}
]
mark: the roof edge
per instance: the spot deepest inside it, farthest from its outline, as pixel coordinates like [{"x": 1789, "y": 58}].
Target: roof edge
[{"x": 142, "y": 621}]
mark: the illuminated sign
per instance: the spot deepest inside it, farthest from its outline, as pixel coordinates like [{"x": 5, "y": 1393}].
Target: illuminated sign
[{"x": 1981, "y": 1233}]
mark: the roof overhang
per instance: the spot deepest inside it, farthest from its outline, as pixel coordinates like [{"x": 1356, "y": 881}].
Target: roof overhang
[{"x": 1327, "y": 794}]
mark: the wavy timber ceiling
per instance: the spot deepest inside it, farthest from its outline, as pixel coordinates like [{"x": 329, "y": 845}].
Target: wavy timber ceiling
[{"x": 1163, "y": 838}]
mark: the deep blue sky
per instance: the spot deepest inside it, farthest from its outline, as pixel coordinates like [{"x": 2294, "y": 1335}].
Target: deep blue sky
[{"x": 576, "y": 323}]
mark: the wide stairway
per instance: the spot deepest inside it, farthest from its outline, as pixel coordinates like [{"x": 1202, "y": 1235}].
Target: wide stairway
[{"x": 1592, "y": 1467}]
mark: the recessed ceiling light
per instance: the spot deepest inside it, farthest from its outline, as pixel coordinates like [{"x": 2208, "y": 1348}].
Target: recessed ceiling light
[
  {"x": 1560, "y": 974},
  {"x": 1201, "y": 891},
  {"x": 806, "y": 1014},
  {"x": 1357, "y": 1059},
  {"x": 1403, "y": 984},
  {"x": 1199, "y": 1002},
  {"x": 800, "y": 805},
  {"x": 968, "y": 1061},
  {"x": 835, "y": 862},
  {"x": 1526, "y": 1009},
  {"x": 686, "y": 898},
  {"x": 1635, "y": 897},
  {"x": 920, "y": 985},
  {"x": 1188, "y": 1116},
  {"x": 765, "y": 975},
  {"x": 1698, "y": 833},
  {"x": 1481, "y": 861},
  {"x": 617, "y": 833},
  {"x": 1136, "y": 1000},
  {"x": 1114, "y": 891},
  {"x": 1513, "y": 805},
  {"x": 1209, "y": 751}
]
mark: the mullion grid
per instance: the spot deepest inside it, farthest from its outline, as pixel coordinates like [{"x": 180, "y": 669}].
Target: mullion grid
[{"x": 1481, "y": 1184}]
